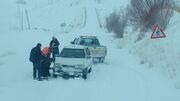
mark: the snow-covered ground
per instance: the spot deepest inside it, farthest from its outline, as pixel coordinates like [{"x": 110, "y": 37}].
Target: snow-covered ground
[{"x": 121, "y": 77}]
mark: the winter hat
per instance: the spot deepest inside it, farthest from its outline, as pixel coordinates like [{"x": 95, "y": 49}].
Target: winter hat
[{"x": 39, "y": 44}]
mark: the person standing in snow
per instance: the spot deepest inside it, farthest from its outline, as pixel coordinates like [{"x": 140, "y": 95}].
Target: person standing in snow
[
  {"x": 35, "y": 58},
  {"x": 54, "y": 47},
  {"x": 45, "y": 62}
]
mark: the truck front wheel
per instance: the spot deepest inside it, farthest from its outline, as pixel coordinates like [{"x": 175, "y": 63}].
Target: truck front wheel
[
  {"x": 65, "y": 76},
  {"x": 89, "y": 70},
  {"x": 54, "y": 75}
]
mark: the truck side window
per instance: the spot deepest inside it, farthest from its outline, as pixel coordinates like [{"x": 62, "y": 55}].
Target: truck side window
[
  {"x": 82, "y": 42},
  {"x": 87, "y": 52},
  {"x": 97, "y": 42}
]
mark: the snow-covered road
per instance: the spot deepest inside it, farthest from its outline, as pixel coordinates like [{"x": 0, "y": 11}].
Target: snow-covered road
[
  {"x": 91, "y": 22},
  {"x": 112, "y": 80},
  {"x": 121, "y": 77}
]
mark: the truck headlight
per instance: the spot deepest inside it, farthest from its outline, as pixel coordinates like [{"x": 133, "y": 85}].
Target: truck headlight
[{"x": 57, "y": 65}]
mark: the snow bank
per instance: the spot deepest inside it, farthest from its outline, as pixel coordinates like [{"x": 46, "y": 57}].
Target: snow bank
[{"x": 161, "y": 54}]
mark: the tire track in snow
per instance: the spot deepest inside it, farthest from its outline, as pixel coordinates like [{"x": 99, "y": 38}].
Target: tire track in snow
[
  {"x": 4, "y": 55},
  {"x": 125, "y": 61},
  {"x": 9, "y": 53},
  {"x": 91, "y": 18},
  {"x": 1, "y": 63},
  {"x": 138, "y": 73}
]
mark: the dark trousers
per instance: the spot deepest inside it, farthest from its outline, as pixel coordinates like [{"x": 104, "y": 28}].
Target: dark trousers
[
  {"x": 54, "y": 51},
  {"x": 45, "y": 71},
  {"x": 45, "y": 65},
  {"x": 53, "y": 56},
  {"x": 36, "y": 69}
]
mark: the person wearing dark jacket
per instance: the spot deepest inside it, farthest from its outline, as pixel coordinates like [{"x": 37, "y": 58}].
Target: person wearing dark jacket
[
  {"x": 35, "y": 58},
  {"x": 54, "y": 47}
]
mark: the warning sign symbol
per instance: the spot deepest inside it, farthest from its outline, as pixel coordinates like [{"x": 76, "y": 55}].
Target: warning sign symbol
[{"x": 157, "y": 32}]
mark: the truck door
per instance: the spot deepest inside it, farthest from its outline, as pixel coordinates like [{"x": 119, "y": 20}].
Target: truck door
[{"x": 88, "y": 57}]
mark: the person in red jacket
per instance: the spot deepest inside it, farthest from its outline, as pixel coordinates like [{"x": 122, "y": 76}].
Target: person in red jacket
[{"x": 45, "y": 62}]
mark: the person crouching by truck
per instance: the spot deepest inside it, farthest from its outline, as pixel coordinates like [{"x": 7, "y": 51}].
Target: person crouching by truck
[{"x": 45, "y": 62}]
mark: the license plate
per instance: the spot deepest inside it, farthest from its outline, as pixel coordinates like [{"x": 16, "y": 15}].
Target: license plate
[{"x": 71, "y": 73}]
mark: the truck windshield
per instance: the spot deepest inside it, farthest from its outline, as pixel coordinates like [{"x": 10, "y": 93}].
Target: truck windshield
[
  {"x": 72, "y": 53},
  {"x": 89, "y": 42}
]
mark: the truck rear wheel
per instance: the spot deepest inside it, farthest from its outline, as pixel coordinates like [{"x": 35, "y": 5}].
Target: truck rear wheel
[
  {"x": 101, "y": 59},
  {"x": 84, "y": 74}
]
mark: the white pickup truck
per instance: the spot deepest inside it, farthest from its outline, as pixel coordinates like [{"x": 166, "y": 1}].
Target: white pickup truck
[
  {"x": 98, "y": 52},
  {"x": 73, "y": 61}
]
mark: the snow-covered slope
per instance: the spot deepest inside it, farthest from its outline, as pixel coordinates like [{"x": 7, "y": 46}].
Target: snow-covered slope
[
  {"x": 60, "y": 16},
  {"x": 8, "y": 15},
  {"x": 163, "y": 55}
]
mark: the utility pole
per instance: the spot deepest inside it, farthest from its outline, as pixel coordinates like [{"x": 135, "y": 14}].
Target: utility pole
[
  {"x": 29, "y": 27},
  {"x": 20, "y": 4}
]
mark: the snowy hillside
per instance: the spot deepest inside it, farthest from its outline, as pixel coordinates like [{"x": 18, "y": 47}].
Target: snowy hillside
[
  {"x": 131, "y": 72},
  {"x": 8, "y": 15},
  {"x": 159, "y": 54},
  {"x": 64, "y": 16}
]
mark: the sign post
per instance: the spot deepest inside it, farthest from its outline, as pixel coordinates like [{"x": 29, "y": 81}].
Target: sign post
[
  {"x": 21, "y": 4},
  {"x": 158, "y": 33}
]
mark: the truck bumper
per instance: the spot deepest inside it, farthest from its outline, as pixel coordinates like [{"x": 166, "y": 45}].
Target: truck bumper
[{"x": 68, "y": 72}]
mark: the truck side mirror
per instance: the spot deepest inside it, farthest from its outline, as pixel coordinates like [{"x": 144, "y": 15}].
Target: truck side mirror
[{"x": 72, "y": 42}]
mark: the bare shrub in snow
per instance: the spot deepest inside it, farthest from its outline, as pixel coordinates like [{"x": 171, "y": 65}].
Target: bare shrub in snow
[
  {"x": 144, "y": 14},
  {"x": 116, "y": 23}
]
